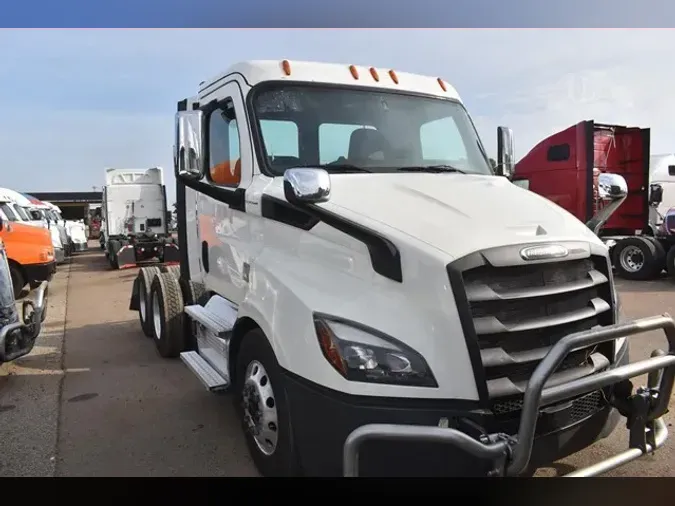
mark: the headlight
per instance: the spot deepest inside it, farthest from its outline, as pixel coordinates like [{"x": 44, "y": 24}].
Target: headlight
[{"x": 361, "y": 355}]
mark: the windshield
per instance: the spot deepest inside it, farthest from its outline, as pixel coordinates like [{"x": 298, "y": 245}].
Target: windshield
[
  {"x": 379, "y": 131},
  {"x": 7, "y": 210}
]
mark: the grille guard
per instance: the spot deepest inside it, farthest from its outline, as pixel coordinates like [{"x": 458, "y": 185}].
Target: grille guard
[{"x": 511, "y": 454}]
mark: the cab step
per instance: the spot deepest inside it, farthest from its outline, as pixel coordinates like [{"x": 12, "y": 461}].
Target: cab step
[
  {"x": 209, "y": 377},
  {"x": 218, "y": 315}
]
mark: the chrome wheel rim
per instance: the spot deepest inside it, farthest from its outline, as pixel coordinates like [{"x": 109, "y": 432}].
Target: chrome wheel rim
[
  {"x": 632, "y": 259},
  {"x": 156, "y": 317},
  {"x": 260, "y": 408},
  {"x": 141, "y": 302}
]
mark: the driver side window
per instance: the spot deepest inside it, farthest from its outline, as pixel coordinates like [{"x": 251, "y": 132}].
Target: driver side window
[{"x": 223, "y": 135}]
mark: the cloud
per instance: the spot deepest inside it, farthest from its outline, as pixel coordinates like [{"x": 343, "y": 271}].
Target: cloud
[{"x": 76, "y": 101}]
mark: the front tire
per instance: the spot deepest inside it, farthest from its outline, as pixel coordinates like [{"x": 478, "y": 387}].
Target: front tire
[
  {"x": 260, "y": 399},
  {"x": 18, "y": 280}
]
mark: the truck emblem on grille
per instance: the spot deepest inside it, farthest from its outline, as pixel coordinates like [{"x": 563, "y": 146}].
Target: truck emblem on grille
[{"x": 544, "y": 252}]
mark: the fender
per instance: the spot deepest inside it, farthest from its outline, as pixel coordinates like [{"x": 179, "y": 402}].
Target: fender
[{"x": 134, "y": 303}]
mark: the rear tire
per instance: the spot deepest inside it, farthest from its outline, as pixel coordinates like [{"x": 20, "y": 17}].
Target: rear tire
[
  {"x": 192, "y": 294},
  {"x": 635, "y": 259},
  {"x": 112, "y": 255},
  {"x": 659, "y": 256},
  {"x": 260, "y": 398},
  {"x": 172, "y": 269},
  {"x": 145, "y": 278},
  {"x": 670, "y": 262},
  {"x": 18, "y": 280},
  {"x": 167, "y": 315}
]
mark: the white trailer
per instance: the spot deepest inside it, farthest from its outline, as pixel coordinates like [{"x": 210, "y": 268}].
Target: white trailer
[
  {"x": 352, "y": 269},
  {"x": 134, "y": 215}
]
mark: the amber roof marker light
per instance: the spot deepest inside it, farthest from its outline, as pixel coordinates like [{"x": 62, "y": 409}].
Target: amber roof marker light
[
  {"x": 442, "y": 84},
  {"x": 286, "y": 66},
  {"x": 393, "y": 76},
  {"x": 354, "y": 71},
  {"x": 375, "y": 75}
]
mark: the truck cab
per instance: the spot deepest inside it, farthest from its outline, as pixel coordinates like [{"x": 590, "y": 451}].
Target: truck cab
[
  {"x": 135, "y": 218},
  {"x": 18, "y": 332},
  {"x": 375, "y": 297},
  {"x": 28, "y": 249}
]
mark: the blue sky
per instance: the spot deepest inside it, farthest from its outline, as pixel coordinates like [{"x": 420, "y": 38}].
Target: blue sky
[{"x": 76, "y": 101}]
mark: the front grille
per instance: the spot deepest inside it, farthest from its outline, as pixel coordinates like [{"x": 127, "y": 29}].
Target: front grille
[
  {"x": 581, "y": 408},
  {"x": 518, "y": 312}
]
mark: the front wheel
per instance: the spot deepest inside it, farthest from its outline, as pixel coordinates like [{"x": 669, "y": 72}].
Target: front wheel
[
  {"x": 260, "y": 399},
  {"x": 18, "y": 281}
]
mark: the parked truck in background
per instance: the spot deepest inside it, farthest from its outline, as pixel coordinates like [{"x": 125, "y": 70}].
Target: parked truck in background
[
  {"x": 376, "y": 299},
  {"x": 135, "y": 218},
  {"x": 562, "y": 168},
  {"x": 22, "y": 210},
  {"x": 18, "y": 332},
  {"x": 28, "y": 250}
]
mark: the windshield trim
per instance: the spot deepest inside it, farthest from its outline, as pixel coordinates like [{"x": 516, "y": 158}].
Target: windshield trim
[{"x": 254, "y": 122}]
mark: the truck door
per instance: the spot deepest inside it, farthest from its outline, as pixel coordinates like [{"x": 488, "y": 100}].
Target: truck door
[{"x": 223, "y": 228}]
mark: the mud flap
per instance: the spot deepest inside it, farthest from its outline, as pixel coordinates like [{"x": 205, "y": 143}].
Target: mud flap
[
  {"x": 170, "y": 254},
  {"x": 135, "y": 301},
  {"x": 126, "y": 257}
]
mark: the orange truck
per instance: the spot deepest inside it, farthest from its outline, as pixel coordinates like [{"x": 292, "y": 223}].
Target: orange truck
[{"x": 29, "y": 250}]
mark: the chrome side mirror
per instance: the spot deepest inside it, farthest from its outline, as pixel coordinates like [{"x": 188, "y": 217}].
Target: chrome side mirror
[
  {"x": 613, "y": 190},
  {"x": 188, "y": 159},
  {"x": 306, "y": 186},
  {"x": 505, "y": 152},
  {"x": 611, "y": 187}
]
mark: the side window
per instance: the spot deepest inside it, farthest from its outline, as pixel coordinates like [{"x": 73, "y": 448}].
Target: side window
[
  {"x": 441, "y": 140},
  {"x": 224, "y": 159},
  {"x": 558, "y": 153},
  {"x": 8, "y": 212},
  {"x": 334, "y": 140}
]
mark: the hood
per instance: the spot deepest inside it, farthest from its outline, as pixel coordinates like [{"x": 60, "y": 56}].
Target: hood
[
  {"x": 455, "y": 213},
  {"x": 30, "y": 231}
]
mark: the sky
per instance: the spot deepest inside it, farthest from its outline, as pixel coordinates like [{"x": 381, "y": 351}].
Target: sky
[{"x": 77, "y": 101}]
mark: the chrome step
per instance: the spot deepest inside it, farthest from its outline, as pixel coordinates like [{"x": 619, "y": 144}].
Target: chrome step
[{"x": 209, "y": 377}]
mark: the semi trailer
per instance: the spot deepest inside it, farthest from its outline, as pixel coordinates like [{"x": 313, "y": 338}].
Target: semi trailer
[
  {"x": 563, "y": 168},
  {"x": 134, "y": 218},
  {"x": 375, "y": 299}
]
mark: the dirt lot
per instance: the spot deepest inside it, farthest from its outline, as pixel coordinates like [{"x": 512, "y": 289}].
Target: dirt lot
[{"x": 95, "y": 399}]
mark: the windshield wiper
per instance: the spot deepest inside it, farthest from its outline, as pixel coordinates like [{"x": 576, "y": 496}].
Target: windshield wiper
[
  {"x": 431, "y": 168},
  {"x": 340, "y": 167}
]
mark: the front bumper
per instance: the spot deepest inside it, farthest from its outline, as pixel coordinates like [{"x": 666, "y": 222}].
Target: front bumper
[
  {"x": 512, "y": 453},
  {"x": 40, "y": 272},
  {"x": 322, "y": 421}
]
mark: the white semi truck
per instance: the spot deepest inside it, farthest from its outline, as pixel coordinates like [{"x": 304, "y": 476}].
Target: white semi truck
[
  {"x": 376, "y": 299},
  {"x": 135, "y": 215}
]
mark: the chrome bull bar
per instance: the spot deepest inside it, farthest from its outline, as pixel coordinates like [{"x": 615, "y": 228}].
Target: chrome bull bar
[{"x": 511, "y": 454}]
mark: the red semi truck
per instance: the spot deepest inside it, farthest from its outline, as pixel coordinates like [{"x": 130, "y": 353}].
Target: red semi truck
[{"x": 564, "y": 168}]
